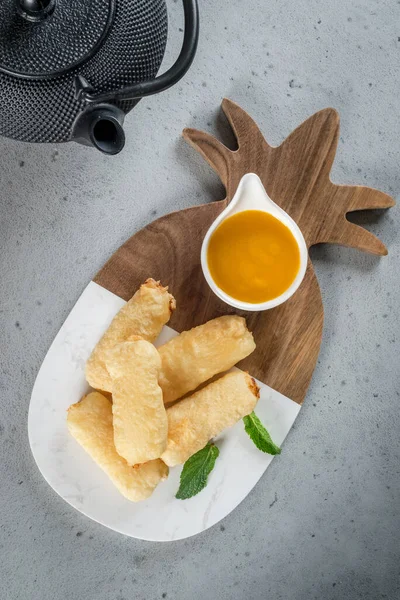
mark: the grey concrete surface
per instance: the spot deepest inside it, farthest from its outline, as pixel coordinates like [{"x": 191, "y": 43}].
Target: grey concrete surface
[{"x": 324, "y": 521}]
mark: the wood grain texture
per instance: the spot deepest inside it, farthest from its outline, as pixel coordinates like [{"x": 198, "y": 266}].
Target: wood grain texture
[{"x": 296, "y": 176}]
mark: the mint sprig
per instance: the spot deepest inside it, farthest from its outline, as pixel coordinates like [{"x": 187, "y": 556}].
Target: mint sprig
[
  {"x": 196, "y": 471},
  {"x": 259, "y": 435}
]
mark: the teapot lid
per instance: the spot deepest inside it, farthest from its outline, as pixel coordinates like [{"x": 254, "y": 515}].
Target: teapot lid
[{"x": 34, "y": 46}]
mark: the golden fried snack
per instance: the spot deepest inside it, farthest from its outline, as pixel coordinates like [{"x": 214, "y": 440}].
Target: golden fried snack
[
  {"x": 192, "y": 422},
  {"x": 195, "y": 356},
  {"x": 139, "y": 418},
  {"x": 90, "y": 422},
  {"x": 144, "y": 316}
]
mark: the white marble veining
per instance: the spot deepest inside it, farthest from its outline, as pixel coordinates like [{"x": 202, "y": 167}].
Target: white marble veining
[{"x": 77, "y": 479}]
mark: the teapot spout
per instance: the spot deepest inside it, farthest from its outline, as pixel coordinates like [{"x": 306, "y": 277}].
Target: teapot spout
[{"x": 100, "y": 126}]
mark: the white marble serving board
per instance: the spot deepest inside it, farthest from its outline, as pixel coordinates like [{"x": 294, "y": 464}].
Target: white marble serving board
[{"x": 77, "y": 479}]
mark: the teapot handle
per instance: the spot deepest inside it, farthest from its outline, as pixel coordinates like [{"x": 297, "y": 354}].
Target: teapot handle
[{"x": 162, "y": 82}]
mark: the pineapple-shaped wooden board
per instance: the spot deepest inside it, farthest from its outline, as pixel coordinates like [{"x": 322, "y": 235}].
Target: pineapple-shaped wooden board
[{"x": 296, "y": 176}]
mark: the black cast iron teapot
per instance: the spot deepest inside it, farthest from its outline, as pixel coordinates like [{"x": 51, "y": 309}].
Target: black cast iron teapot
[{"x": 72, "y": 69}]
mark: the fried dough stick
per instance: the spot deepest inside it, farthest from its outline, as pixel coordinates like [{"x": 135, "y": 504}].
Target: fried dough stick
[
  {"x": 195, "y": 356},
  {"x": 144, "y": 315},
  {"x": 139, "y": 417},
  {"x": 193, "y": 421},
  {"x": 90, "y": 423}
]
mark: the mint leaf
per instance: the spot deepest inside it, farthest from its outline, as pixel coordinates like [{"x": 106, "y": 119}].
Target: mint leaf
[
  {"x": 195, "y": 472},
  {"x": 259, "y": 435}
]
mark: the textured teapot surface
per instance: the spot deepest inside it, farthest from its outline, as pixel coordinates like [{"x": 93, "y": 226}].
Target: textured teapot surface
[{"x": 109, "y": 43}]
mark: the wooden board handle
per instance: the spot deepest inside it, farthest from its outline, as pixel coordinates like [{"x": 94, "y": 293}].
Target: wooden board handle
[{"x": 295, "y": 175}]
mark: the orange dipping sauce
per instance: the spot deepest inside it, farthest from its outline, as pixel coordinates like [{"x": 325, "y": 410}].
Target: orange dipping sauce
[{"x": 253, "y": 257}]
